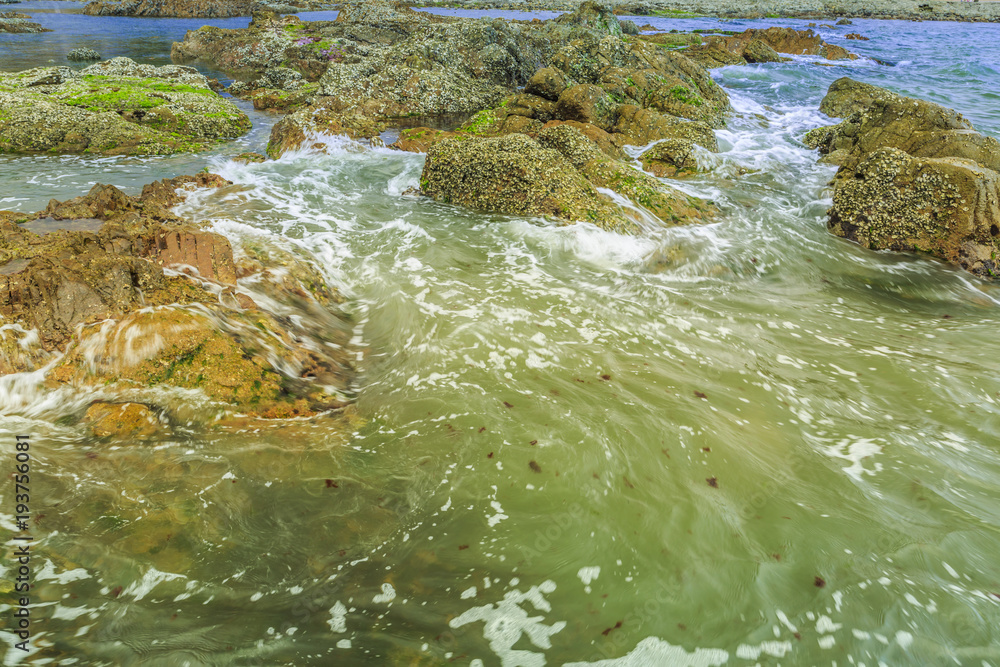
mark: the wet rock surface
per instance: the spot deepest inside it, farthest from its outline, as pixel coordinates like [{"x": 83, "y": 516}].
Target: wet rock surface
[
  {"x": 555, "y": 176},
  {"x": 115, "y": 107},
  {"x": 914, "y": 177},
  {"x": 150, "y": 300},
  {"x": 763, "y": 46}
]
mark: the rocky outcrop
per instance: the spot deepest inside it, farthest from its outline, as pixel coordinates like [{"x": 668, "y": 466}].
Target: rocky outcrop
[
  {"x": 764, "y": 45},
  {"x": 14, "y": 22},
  {"x": 616, "y": 92},
  {"x": 556, "y": 177},
  {"x": 914, "y": 176},
  {"x": 114, "y": 107},
  {"x": 147, "y": 299},
  {"x": 170, "y": 8}
]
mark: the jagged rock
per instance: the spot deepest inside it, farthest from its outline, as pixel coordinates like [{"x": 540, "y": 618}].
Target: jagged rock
[
  {"x": 103, "y": 299},
  {"x": 732, "y": 49},
  {"x": 83, "y": 54},
  {"x": 856, "y": 36},
  {"x": 914, "y": 176}
]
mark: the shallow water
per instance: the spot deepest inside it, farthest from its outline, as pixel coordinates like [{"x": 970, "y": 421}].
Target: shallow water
[{"x": 744, "y": 443}]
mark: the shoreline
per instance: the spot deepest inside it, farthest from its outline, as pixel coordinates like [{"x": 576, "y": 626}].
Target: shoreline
[{"x": 986, "y": 11}]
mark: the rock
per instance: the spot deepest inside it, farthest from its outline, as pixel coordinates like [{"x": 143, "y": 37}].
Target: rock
[
  {"x": 555, "y": 177},
  {"x": 103, "y": 299},
  {"x": 292, "y": 131},
  {"x": 210, "y": 255},
  {"x": 548, "y": 82},
  {"x": 599, "y": 18},
  {"x": 639, "y": 127},
  {"x": 845, "y": 22},
  {"x": 757, "y": 51},
  {"x": 667, "y": 204},
  {"x": 16, "y": 23},
  {"x": 121, "y": 420},
  {"x": 877, "y": 118},
  {"x": 914, "y": 176},
  {"x": 114, "y": 107},
  {"x": 670, "y": 158},
  {"x": 516, "y": 175},
  {"x": 856, "y": 36},
  {"x": 944, "y": 207},
  {"x": 629, "y": 27},
  {"x": 587, "y": 103},
  {"x": 170, "y": 8},
  {"x": 250, "y": 158},
  {"x": 83, "y": 54},
  {"x": 779, "y": 40}
]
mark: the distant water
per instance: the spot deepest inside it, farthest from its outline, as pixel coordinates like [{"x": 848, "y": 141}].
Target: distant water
[{"x": 743, "y": 443}]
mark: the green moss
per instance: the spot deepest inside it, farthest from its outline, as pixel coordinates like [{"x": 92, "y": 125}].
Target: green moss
[{"x": 686, "y": 95}]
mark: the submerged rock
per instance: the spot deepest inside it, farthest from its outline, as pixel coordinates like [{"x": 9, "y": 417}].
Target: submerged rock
[
  {"x": 914, "y": 176},
  {"x": 114, "y": 107},
  {"x": 121, "y": 420},
  {"x": 149, "y": 300}
]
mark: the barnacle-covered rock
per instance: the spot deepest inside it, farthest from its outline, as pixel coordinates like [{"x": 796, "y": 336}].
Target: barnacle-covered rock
[
  {"x": 557, "y": 176},
  {"x": 114, "y": 107},
  {"x": 914, "y": 176}
]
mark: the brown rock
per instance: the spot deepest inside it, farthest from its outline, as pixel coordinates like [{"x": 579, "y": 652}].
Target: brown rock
[
  {"x": 587, "y": 103},
  {"x": 548, "y": 83},
  {"x": 670, "y": 158},
  {"x": 121, "y": 420},
  {"x": 209, "y": 254}
]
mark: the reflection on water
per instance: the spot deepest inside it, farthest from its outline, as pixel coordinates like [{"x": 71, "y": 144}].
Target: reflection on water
[{"x": 744, "y": 443}]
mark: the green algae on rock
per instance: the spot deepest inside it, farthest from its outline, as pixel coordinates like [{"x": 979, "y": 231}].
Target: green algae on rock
[
  {"x": 116, "y": 107},
  {"x": 914, "y": 176}
]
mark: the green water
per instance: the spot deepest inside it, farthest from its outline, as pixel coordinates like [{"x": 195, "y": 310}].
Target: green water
[{"x": 744, "y": 443}]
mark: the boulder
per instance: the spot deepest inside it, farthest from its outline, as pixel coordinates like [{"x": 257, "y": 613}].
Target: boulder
[
  {"x": 556, "y": 176},
  {"x": 856, "y": 36},
  {"x": 516, "y": 175},
  {"x": 948, "y": 208},
  {"x": 548, "y": 83},
  {"x": 914, "y": 176},
  {"x": 83, "y": 54},
  {"x": 670, "y": 158}
]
